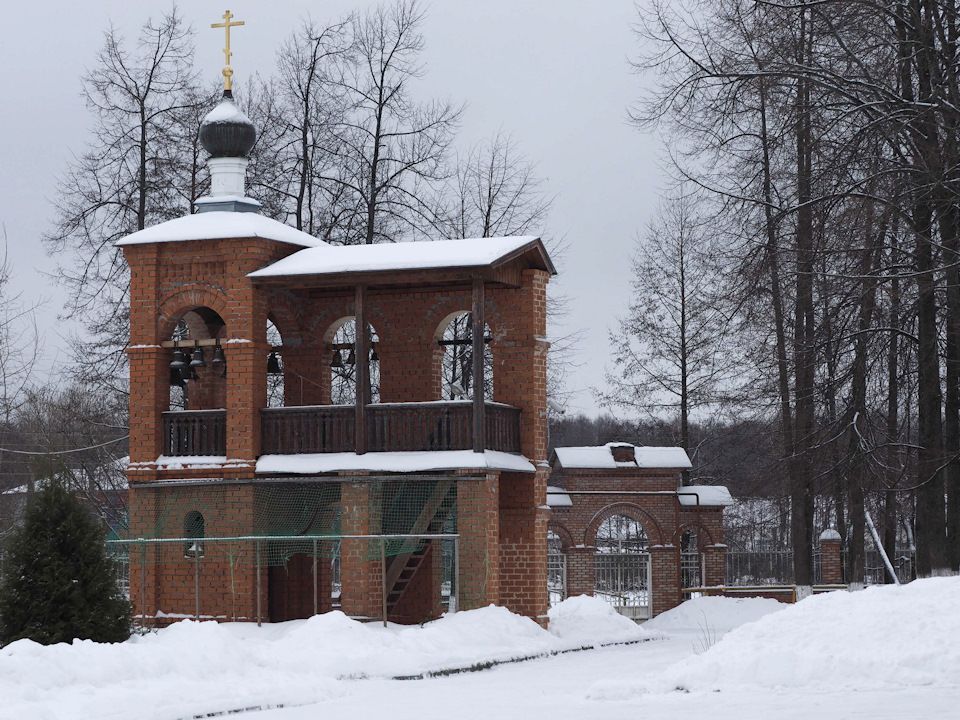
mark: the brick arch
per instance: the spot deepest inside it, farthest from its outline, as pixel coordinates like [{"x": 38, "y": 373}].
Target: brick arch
[
  {"x": 435, "y": 322},
  {"x": 335, "y": 325},
  {"x": 649, "y": 524},
  {"x": 283, "y": 312},
  {"x": 701, "y": 530},
  {"x": 191, "y": 297},
  {"x": 566, "y": 537}
]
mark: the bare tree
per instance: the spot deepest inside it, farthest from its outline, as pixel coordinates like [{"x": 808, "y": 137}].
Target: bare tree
[
  {"x": 296, "y": 113},
  {"x": 673, "y": 350},
  {"x": 389, "y": 147},
  {"x": 496, "y": 193},
  {"x": 136, "y": 171},
  {"x": 19, "y": 350}
]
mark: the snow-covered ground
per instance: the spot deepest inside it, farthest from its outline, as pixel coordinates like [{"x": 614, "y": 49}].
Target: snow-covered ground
[{"x": 883, "y": 652}]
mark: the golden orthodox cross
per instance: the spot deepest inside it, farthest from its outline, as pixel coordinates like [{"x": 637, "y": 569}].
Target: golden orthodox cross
[{"x": 226, "y": 25}]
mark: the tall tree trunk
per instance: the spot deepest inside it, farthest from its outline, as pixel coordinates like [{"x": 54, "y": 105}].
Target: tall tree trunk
[{"x": 804, "y": 332}]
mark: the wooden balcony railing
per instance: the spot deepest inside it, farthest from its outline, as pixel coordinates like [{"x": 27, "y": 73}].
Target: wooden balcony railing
[
  {"x": 195, "y": 432},
  {"x": 307, "y": 429},
  {"x": 331, "y": 428},
  {"x": 390, "y": 427}
]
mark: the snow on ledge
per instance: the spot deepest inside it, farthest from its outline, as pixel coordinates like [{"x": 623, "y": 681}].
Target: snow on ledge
[
  {"x": 601, "y": 457},
  {"x": 220, "y": 225},
  {"x": 180, "y": 462},
  {"x": 558, "y": 497},
  {"x": 398, "y": 462},
  {"x": 713, "y": 495}
]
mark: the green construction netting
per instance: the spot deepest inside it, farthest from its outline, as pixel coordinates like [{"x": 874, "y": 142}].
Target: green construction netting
[{"x": 306, "y": 518}]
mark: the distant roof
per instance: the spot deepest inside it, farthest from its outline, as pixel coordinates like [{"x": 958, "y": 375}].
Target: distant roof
[
  {"x": 601, "y": 456},
  {"x": 423, "y": 255},
  {"x": 218, "y": 225}
]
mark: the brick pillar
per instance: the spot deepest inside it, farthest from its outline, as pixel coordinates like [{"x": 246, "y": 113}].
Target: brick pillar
[
  {"x": 716, "y": 565},
  {"x": 246, "y": 396},
  {"x": 150, "y": 392},
  {"x": 581, "y": 570},
  {"x": 479, "y": 528},
  {"x": 303, "y": 368},
  {"x": 143, "y": 568},
  {"x": 523, "y": 542},
  {"x": 360, "y": 566},
  {"x": 831, "y": 568},
  {"x": 665, "y": 577}
]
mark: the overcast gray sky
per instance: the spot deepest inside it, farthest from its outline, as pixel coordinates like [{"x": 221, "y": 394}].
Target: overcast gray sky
[{"x": 551, "y": 73}]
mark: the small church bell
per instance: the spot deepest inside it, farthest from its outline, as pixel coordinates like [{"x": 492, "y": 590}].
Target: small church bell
[
  {"x": 198, "y": 361},
  {"x": 273, "y": 364}
]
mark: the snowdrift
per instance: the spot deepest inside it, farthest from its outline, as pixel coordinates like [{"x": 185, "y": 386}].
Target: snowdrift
[
  {"x": 881, "y": 637},
  {"x": 193, "y": 668}
]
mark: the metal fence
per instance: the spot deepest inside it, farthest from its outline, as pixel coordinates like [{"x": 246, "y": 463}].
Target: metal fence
[
  {"x": 623, "y": 580},
  {"x": 556, "y": 576},
  {"x": 775, "y": 567},
  {"x": 277, "y": 577},
  {"x": 692, "y": 569}
]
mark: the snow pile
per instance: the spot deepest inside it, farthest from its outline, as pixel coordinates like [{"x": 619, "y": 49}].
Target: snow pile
[
  {"x": 880, "y": 638},
  {"x": 190, "y": 668},
  {"x": 590, "y": 620},
  {"x": 713, "y": 615}
]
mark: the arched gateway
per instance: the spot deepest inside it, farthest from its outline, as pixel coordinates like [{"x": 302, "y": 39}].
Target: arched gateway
[{"x": 620, "y": 515}]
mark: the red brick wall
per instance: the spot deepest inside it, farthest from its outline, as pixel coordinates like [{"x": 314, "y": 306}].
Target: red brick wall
[{"x": 163, "y": 579}]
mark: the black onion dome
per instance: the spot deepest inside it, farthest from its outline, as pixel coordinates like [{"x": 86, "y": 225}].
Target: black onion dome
[{"x": 226, "y": 131}]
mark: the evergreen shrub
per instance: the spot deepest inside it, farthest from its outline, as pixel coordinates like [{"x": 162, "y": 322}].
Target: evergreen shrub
[{"x": 58, "y": 583}]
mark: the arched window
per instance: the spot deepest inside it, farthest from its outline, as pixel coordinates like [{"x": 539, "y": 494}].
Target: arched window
[
  {"x": 457, "y": 365},
  {"x": 194, "y": 528},
  {"x": 343, "y": 364}
]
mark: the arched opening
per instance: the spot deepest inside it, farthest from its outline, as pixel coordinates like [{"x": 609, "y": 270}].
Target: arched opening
[
  {"x": 455, "y": 336},
  {"x": 343, "y": 363},
  {"x": 556, "y": 568},
  {"x": 275, "y": 367},
  {"x": 620, "y": 534},
  {"x": 194, "y": 528},
  {"x": 623, "y": 565},
  {"x": 197, "y": 362}
]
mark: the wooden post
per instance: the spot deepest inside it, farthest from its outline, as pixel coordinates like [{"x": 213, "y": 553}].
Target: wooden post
[
  {"x": 479, "y": 441},
  {"x": 363, "y": 375}
]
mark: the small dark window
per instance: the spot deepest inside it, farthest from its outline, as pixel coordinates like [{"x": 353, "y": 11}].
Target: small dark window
[{"x": 194, "y": 527}]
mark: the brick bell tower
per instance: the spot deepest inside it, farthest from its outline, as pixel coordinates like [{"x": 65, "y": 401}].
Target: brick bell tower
[{"x": 257, "y": 509}]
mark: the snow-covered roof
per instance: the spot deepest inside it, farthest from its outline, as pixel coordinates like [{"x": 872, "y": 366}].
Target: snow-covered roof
[
  {"x": 558, "y": 497},
  {"x": 423, "y": 255},
  {"x": 219, "y": 225},
  {"x": 399, "y": 462},
  {"x": 601, "y": 456},
  {"x": 708, "y": 495}
]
